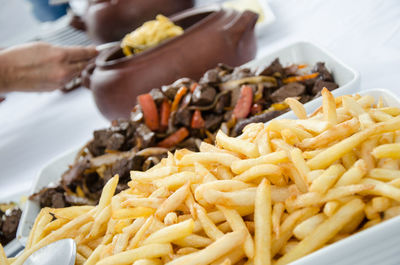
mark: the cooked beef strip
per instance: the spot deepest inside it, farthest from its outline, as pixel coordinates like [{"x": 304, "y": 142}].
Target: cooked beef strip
[
  {"x": 320, "y": 84},
  {"x": 274, "y": 69},
  {"x": 9, "y": 226},
  {"x": 203, "y": 95},
  {"x": 290, "y": 90},
  {"x": 259, "y": 118},
  {"x": 324, "y": 74}
]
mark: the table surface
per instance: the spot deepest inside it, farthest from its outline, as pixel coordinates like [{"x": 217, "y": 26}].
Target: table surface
[{"x": 365, "y": 34}]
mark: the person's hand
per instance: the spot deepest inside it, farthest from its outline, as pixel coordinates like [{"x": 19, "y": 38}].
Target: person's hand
[{"x": 41, "y": 66}]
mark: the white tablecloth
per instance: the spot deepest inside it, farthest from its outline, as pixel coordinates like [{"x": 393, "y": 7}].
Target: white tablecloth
[{"x": 365, "y": 34}]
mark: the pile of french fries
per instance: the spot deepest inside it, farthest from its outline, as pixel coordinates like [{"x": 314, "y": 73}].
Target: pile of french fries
[{"x": 270, "y": 196}]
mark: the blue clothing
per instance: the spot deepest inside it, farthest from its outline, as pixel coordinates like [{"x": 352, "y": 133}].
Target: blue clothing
[{"x": 45, "y": 12}]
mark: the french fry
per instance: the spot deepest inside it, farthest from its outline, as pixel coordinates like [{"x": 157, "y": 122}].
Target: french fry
[
  {"x": 384, "y": 174},
  {"x": 277, "y": 212},
  {"x": 207, "y": 157},
  {"x": 212, "y": 252},
  {"x": 327, "y": 179},
  {"x": 148, "y": 262},
  {"x": 382, "y": 189},
  {"x": 70, "y": 213},
  {"x": 132, "y": 213},
  {"x": 262, "y": 222},
  {"x": 307, "y": 226},
  {"x": 108, "y": 192},
  {"x": 272, "y": 172},
  {"x": 354, "y": 174},
  {"x": 130, "y": 256},
  {"x": 209, "y": 227},
  {"x": 279, "y": 125},
  {"x": 324, "y": 232},
  {"x": 240, "y": 166},
  {"x": 262, "y": 142},
  {"x": 329, "y": 106},
  {"x": 157, "y": 173},
  {"x": 236, "y": 222},
  {"x": 171, "y": 233},
  {"x": 330, "y": 208},
  {"x": 387, "y": 151},
  {"x": 194, "y": 241},
  {"x": 237, "y": 145},
  {"x": 297, "y": 108},
  {"x": 349, "y": 159},
  {"x": 234, "y": 256},
  {"x": 172, "y": 202},
  {"x": 337, "y": 132}
]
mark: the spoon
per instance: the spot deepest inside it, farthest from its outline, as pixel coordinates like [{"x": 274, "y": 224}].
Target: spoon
[{"x": 62, "y": 252}]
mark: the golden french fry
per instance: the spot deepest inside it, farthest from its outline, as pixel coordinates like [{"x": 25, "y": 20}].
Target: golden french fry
[
  {"x": 177, "y": 180},
  {"x": 354, "y": 174},
  {"x": 132, "y": 213},
  {"x": 212, "y": 252},
  {"x": 292, "y": 172},
  {"x": 171, "y": 233},
  {"x": 382, "y": 189},
  {"x": 237, "y": 145},
  {"x": 130, "y": 256},
  {"x": 277, "y": 212},
  {"x": 194, "y": 241},
  {"x": 224, "y": 173},
  {"x": 157, "y": 173},
  {"x": 107, "y": 194},
  {"x": 236, "y": 222},
  {"x": 262, "y": 222},
  {"x": 70, "y": 213},
  {"x": 329, "y": 106},
  {"x": 303, "y": 229},
  {"x": 337, "y": 132},
  {"x": 297, "y": 108},
  {"x": 299, "y": 163},
  {"x": 279, "y": 125},
  {"x": 380, "y": 204},
  {"x": 240, "y": 166},
  {"x": 289, "y": 137},
  {"x": 384, "y": 174},
  {"x": 272, "y": 172},
  {"x": 330, "y": 208},
  {"x": 324, "y": 232},
  {"x": 234, "y": 256},
  {"x": 336, "y": 151},
  {"x": 208, "y": 157},
  {"x": 288, "y": 225},
  {"x": 172, "y": 202},
  {"x": 262, "y": 142},
  {"x": 349, "y": 159},
  {"x": 148, "y": 262},
  {"x": 209, "y": 227},
  {"x": 391, "y": 212},
  {"x": 327, "y": 179},
  {"x": 387, "y": 151}
]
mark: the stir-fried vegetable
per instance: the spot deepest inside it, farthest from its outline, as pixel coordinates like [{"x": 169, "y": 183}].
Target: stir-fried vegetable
[
  {"x": 179, "y": 95},
  {"x": 174, "y": 138},
  {"x": 299, "y": 78},
  {"x": 243, "y": 106},
  {"x": 165, "y": 113},
  {"x": 197, "y": 120},
  {"x": 149, "y": 111}
]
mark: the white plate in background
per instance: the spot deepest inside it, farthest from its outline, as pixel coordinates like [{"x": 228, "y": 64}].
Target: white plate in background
[
  {"x": 299, "y": 52},
  {"x": 304, "y": 52}
]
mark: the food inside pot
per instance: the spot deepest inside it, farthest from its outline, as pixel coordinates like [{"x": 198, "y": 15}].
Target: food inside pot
[
  {"x": 150, "y": 34},
  {"x": 10, "y": 214},
  {"x": 182, "y": 115}
]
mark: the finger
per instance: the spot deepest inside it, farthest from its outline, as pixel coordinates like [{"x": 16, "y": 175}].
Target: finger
[{"x": 78, "y": 54}]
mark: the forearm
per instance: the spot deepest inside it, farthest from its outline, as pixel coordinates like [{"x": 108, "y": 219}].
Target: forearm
[{"x": 4, "y": 73}]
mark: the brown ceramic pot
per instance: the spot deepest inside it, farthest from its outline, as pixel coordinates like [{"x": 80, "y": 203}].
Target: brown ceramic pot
[
  {"x": 212, "y": 35},
  {"x": 110, "y": 20}
]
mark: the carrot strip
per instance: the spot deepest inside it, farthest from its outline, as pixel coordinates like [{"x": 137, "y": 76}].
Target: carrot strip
[
  {"x": 175, "y": 138},
  {"x": 299, "y": 78},
  {"x": 165, "y": 113},
  {"x": 197, "y": 120},
  {"x": 179, "y": 95},
  {"x": 149, "y": 111},
  {"x": 243, "y": 105}
]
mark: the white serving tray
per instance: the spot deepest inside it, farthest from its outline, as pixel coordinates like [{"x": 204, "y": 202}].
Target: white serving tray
[
  {"x": 299, "y": 52},
  {"x": 376, "y": 245}
]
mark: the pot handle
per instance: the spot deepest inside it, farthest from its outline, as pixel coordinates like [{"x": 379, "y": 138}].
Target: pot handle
[
  {"x": 86, "y": 73},
  {"x": 243, "y": 23}
]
